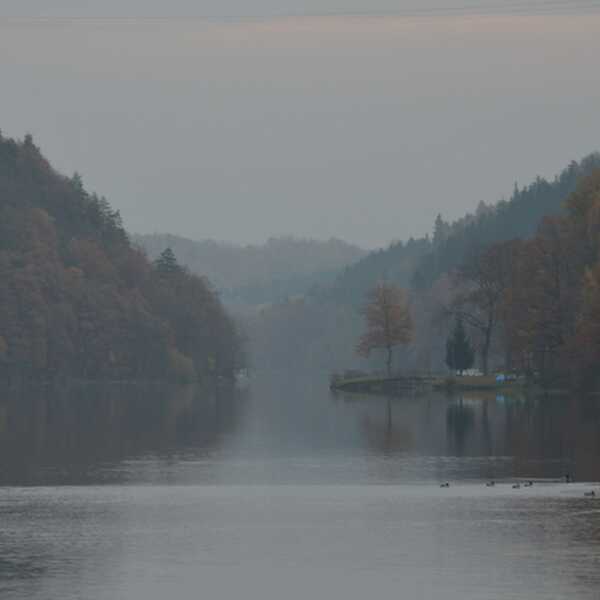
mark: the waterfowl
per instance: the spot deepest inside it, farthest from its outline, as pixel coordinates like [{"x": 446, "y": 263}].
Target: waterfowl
[
  {"x": 591, "y": 494},
  {"x": 516, "y": 486},
  {"x": 528, "y": 483},
  {"x": 490, "y": 484},
  {"x": 445, "y": 485}
]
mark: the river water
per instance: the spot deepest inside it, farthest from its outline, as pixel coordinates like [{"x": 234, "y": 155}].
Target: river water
[{"x": 284, "y": 491}]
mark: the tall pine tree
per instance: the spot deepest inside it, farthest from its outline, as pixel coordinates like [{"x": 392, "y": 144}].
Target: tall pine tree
[
  {"x": 167, "y": 263},
  {"x": 459, "y": 352}
]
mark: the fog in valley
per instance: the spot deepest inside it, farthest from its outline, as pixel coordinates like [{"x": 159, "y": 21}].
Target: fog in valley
[{"x": 299, "y": 300}]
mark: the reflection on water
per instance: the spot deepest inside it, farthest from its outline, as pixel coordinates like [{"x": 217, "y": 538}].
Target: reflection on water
[
  {"x": 287, "y": 430},
  {"x": 148, "y": 492},
  {"x": 82, "y": 434}
]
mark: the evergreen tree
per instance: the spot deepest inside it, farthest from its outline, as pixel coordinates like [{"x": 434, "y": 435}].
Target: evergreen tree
[
  {"x": 459, "y": 352},
  {"x": 166, "y": 262},
  {"x": 441, "y": 231}
]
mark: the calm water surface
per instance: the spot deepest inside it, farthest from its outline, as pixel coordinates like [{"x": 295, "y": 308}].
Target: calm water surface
[{"x": 284, "y": 491}]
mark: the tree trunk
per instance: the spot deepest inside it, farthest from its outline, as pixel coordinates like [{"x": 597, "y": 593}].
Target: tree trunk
[
  {"x": 389, "y": 362},
  {"x": 485, "y": 351}
]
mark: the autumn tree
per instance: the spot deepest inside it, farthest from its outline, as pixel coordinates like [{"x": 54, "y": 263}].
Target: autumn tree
[
  {"x": 541, "y": 303},
  {"x": 77, "y": 299},
  {"x": 481, "y": 284},
  {"x": 388, "y": 321},
  {"x": 549, "y": 307},
  {"x": 459, "y": 352}
]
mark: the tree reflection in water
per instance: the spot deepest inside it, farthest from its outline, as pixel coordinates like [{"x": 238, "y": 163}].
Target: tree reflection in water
[
  {"x": 460, "y": 421},
  {"x": 58, "y": 435}
]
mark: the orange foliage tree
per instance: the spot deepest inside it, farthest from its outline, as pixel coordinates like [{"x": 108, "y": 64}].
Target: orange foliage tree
[{"x": 388, "y": 320}]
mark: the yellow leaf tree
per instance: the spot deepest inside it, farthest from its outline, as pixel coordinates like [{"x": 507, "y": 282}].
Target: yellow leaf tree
[{"x": 388, "y": 321}]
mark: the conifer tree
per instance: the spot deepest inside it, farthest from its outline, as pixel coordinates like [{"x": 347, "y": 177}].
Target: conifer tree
[
  {"x": 166, "y": 262},
  {"x": 459, "y": 352}
]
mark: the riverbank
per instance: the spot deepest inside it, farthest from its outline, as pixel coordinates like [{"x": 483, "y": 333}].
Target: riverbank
[{"x": 377, "y": 384}]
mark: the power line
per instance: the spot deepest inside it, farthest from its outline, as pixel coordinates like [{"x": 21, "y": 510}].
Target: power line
[{"x": 504, "y": 8}]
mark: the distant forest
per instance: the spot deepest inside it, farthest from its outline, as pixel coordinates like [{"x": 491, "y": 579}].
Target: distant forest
[
  {"x": 251, "y": 275},
  {"x": 77, "y": 299}
]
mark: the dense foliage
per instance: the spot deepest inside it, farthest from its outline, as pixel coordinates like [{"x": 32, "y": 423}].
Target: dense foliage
[
  {"x": 463, "y": 270},
  {"x": 76, "y": 299},
  {"x": 518, "y": 217},
  {"x": 421, "y": 262},
  {"x": 388, "y": 322},
  {"x": 460, "y": 355},
  {"x": 550, "y": 304}
]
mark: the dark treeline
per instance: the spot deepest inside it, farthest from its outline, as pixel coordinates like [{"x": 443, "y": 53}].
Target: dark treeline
[
  {"x": 419, "y": 263},
  {"x": 518, "y": 217},
  {"x": 544, "y": 292},
  {"x": 78, "y": 300}
]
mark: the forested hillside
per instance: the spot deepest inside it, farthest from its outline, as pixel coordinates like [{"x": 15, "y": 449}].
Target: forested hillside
[
  {"x": 543, "y": 293},
  {"x": 257, "y": 274},
  {"x": 77, "y": 299},
  {"x": 518, "y": 217},
  {"x": 428, "y": 268},
  {"x": 419, "y": 263}
]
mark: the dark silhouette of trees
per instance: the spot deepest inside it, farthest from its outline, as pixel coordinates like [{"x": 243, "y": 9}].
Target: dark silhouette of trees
[
  {"x": 481, "y": 284},
  {"x": 515, "y": 218},
  {"x": 166, "y": 262},
  {"x": 388, "y": 321},
  {"x": 460, "y": 355},
  {"x": 76, "y": 299},
  {"x": 549, "y": 306}
]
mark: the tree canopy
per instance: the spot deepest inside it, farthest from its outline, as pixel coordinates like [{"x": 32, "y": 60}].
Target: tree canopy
[
  {"x": 460, "y": 355},
  {"x": 76, "y": 299},
  {"x": 388, "y": 321}
]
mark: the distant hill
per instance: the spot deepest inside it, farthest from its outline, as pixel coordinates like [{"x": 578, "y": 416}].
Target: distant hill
[
  {"x": 78, "y": 300},
  {"x": 256, "y": 274}
]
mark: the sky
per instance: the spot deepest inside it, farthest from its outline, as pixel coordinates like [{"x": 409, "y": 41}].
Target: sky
[{"x": 360, "y": 120}]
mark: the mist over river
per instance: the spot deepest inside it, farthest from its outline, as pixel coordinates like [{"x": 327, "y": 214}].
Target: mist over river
[{"x": 286, "y": 491}]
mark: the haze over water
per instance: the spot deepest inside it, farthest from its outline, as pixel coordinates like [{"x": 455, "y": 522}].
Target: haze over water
[{"x": 284, "y": 490}]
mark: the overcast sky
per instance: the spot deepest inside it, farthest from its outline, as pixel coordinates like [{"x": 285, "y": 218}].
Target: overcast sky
[{"x": 359, "y": 127}]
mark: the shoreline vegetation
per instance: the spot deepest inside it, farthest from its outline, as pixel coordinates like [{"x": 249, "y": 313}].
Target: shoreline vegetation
[
  {"x": 530, "y": 307},
  {"x": 377, "y": 384},
  {"x": 79, "y": 301}
]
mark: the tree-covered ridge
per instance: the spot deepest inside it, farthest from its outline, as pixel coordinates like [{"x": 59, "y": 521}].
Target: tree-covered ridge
[
  {"x": 537, "y": 299},
  {"x": 516, "y": 218},
  {"x": 76, "y": 299},
  {"x": 257, "y": 274},
  {"x": 420, "y": 262}
]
